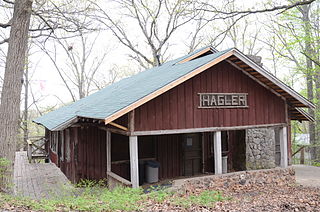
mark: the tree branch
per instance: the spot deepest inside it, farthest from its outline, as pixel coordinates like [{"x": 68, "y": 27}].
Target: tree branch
[{"x": 276, "y": 8}]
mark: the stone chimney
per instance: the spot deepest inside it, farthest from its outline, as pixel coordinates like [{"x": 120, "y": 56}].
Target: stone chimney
[{"x": 256, "y": 59}]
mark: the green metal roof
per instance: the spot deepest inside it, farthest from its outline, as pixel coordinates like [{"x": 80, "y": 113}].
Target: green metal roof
[{"x": 123, "y": 93}]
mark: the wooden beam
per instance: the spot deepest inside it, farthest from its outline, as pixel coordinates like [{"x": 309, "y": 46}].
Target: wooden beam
[
  {"x": 233, "y": 58},
  {"x": 118, "y": 126},
  {"x": 131, "y": 121},
  {"x": 116, "y": 131},
  {"x": 217, "y": 153},
  {"x": 243, "y": 66},
  {"x": 207, "y": 129},
  {"x": 168, "y": 87},
  {"x": 118, "y": 178},
  {"x": 134, "y": 165}
]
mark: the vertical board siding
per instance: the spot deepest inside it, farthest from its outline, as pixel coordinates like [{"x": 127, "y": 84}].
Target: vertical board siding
[
  {"x": 169, "y": 155},
  {"x": 208, "y": 152},
  {"x": 178, "y": 107},
  {"x": 84, "y": 154}
]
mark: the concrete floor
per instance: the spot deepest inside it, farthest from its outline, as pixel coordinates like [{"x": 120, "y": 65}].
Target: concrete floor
[{"x": 307, "y": 175}]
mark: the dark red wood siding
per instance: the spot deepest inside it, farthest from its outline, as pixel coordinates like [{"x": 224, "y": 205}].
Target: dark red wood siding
[
  {"x": 166, "y": 149},
  {"x": 208, "y": 152},
  {"x": 82, "y": 153},
  {"x": 178, "y": 108},
  {"x": 169, "y": 155},
  {"x": 92, "y": 155}
]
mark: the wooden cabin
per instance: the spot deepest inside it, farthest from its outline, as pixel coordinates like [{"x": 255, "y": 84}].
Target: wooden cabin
[{"x": 208, "y": 112}]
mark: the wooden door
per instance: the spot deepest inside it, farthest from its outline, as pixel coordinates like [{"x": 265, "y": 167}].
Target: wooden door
[{"x": 192, "y": 152}]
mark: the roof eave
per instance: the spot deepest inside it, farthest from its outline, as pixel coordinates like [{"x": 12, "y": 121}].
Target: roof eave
[
  {"x": 65, "y": 124},
  {"x": 273, "y": 79}
]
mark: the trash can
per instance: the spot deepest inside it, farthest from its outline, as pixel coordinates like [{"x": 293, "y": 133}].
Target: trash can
[
  {"x": 152, "y": 171},
  {"x": 224, "y": 164}
]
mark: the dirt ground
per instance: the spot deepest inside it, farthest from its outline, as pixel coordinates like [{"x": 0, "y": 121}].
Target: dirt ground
[
  {"x": 255, "y": 198},
  {"x": 242, "y": 198}
]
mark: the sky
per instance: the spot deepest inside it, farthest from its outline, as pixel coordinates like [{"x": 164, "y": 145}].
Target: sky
[{"x": 48, "y": 88}]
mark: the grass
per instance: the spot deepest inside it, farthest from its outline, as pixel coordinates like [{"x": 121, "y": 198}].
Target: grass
[
  {"x": 206, "y": 198},
  {"x": 125, "y": 199},
  {"x": 95, "y": 198}
]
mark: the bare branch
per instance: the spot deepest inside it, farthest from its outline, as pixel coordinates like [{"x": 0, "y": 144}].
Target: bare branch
[
  {"x": 228, "y": 14},
  {"x": 310, "y": 58}
]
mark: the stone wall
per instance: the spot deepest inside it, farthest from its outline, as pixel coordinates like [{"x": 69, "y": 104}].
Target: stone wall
[
  {"x": 260, "y": 148},
  {"x": 274, "y": 177}
]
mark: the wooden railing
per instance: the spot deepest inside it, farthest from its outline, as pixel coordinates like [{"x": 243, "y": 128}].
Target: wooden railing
[
  {"x": 305, "y": 154},
  {"x": 302, "y": 151},
  {"x": 115, "y": 180},
  {"x": 36, "y": 148}
]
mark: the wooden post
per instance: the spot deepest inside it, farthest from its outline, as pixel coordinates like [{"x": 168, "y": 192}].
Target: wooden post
[
  {"x": 284, "y": 147},
  {"x": 131, "y": 121},
  {"x": 302, "y": 156},
  {"x": 134, "y": 165},
  {"x": 217, "y": 153},
  {"x": 108, "y": 146},
  {"x": 29, "y": 150}
]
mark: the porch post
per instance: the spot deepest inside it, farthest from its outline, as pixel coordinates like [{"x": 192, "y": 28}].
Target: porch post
[
  {"x": 283, "y": 147},
  {"x": 134, "y": 166},
  {"x": 217, "y": 153},
  {"x": 108, "y": 151}
]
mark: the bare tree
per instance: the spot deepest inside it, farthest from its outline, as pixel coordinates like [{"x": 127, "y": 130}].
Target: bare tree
[
  {"x": 297, "y": 35},
  {"x": 243, "y": 33},
  {"x": 156, "y": 22},
  {"x": 218, "y": 11},
  {"x": 47, "y": 17},
  {"x": 78, "y": 73}
]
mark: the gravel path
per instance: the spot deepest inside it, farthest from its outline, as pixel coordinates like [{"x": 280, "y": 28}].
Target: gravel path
[{"x": 307, "y": 175}]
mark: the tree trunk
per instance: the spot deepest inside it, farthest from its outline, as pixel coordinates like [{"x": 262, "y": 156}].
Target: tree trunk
[
  {"x": 309, "y": 74},
  {"x": 12, "y": 84}
]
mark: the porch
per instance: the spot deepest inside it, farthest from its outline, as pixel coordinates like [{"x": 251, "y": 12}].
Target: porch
[{"x": 184, "y": 153}]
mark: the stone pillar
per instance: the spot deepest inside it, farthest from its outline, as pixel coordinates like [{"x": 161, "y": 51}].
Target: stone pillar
[
  {"x": 260, "y": 148},
  {"x": 284, "y": 147},
  {"x": 217, "y": 153},
  {"x": 134, "y": 165}
]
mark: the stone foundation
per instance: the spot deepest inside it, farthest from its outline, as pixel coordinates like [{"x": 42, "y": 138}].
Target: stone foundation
[
  {"x": 274, "y": 177},
  {"x": 260, "y": 148}
]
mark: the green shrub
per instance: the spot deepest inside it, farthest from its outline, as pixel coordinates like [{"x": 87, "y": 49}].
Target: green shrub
[
  {"x": 5, "y": 174},
  {"x": 4, "y": 167}
]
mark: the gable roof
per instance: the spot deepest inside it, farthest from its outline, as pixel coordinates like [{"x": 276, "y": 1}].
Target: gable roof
[{"x": 125, "y": 95}]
